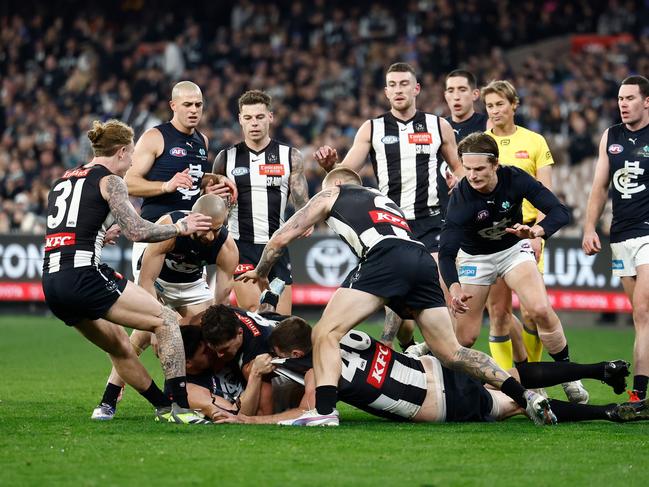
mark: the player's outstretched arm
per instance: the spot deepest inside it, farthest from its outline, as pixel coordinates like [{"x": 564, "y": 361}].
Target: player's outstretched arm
[
  {"x": 327, "y": 157},
  {"x": 449, "y": 149},
  {"x": 226, "y": 264},
  {"x": 597, "y": 199},
  {"x": 137, "y": 229},
  {"x": 153, "y": 259}
]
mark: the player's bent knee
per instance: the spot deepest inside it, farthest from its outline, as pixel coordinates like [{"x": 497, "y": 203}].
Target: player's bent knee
[
  {"x": 467, "y": 339},
  {"x": 539, "y": 313}
]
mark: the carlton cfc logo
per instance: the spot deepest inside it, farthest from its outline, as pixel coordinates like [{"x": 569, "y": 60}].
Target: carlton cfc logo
[{"x": 177, "y": 152}]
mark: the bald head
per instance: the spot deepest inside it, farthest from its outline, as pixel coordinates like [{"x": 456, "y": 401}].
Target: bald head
[
  {"x": 184, "y": 89},
  {"x": 212, "y": 205}
]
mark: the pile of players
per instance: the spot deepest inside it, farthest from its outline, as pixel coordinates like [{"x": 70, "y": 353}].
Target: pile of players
[{"x": 257, "y": 363}]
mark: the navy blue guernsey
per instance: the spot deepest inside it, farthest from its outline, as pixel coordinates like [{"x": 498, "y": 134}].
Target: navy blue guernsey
[
  {"x": 181, "y": 151},
  {"x": 476, "y": 222},
  {"x": 628, "y": 155},
  {"x": 185, "y": 262},
  {"x": 476, "y": 123}
]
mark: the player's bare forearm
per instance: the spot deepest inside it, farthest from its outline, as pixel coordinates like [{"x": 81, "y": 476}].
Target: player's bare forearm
[
  {"x": 250, "y": 396},
  {"x": 135, "y": 228},
  {"x": 479, "y": 365},
  {"x": 391, "y": 326},
  {"x": 170, "y": 344},
  {"x": 269, "y": 257},
  {"x": 298, "y": 184}
]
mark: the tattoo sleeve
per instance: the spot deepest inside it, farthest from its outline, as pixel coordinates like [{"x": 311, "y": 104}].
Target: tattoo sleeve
[
  {"x": 135, "y": 228},
  {"x": 391, "y": 326},
  {"x": 479, "y": 365},
  {"x": 170, "y": 343},
  {"x": 315, "y": 211},
  {"x": 298, "y": 184}
]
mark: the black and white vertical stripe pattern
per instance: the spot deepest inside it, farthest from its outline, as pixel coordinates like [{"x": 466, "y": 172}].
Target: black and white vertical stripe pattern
[
  {"x": 261, "y": 205},
  {"x": 405, "y": 164}
]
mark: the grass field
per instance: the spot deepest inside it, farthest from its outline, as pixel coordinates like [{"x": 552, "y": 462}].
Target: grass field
[{"x": 51, "y": 378}]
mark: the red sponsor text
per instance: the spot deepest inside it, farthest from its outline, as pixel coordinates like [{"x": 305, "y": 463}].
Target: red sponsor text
[
  {"x": 422, "y": 138},
  {"x": 379, "y": 368},
  {"x": 57, "y": 240},
  {"x": 380, "y": 216}
]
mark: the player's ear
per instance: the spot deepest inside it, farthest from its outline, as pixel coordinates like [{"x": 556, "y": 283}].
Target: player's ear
[
  {"x": 297, "y": 354},
  {"x": 476, "y": 94}
]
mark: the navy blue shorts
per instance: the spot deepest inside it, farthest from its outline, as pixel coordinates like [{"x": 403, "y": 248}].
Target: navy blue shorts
[
  {"x": 86, "y": 293},
  {"x": 427, "y": 230},
  {"x": 401, "y": 272},
  {"x": 466, "y": 398},
  {"x": 249, "y": 255}
]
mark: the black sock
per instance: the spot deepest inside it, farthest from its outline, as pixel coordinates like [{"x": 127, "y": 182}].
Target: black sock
[
  {"x": 640, "y": 385},
  {"x": 409, "y": 344},
  {"x": 111, "y": 393},
  {"x": 155, "y": 396},
  {"x": 326, "y": 398},
  {"x": 513, "y": 389},
  {"x": 568, "y": 411},
  {"x": 545, "y": 374},
  {"x": 562, "y": 356},
  {"x": 522, "y": 362},
  {"x": 178, "y": 386}
]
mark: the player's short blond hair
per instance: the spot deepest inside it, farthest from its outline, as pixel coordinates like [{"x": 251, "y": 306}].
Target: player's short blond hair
[
  {"x": 348, "y": 176},
  {"x": 502, "y": 88}
]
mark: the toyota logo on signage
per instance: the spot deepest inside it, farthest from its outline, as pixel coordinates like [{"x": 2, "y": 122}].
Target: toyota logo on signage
[{"x": 329, "y": 261}]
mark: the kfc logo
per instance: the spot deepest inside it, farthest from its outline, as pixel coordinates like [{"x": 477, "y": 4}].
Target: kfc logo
[
  {"x": 380, "y": 216},
  {"x": 57, "y": 240},
  {"x": 242, "y": 268},
  {"x": 379, "y": 368}
]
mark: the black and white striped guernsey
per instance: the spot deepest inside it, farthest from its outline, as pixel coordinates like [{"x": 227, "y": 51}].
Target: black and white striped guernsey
[
  {"x": 262, "y": 179},
  {"x": 77, "y": 219},
  {"x": 363, "y": 217},
  {"x": 405, "y": 156}
]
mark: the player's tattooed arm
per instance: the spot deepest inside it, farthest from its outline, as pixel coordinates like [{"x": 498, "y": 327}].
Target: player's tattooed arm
[
  {"x": 135, "y": 228},
  {"x": 391, "y": 327},
  {"x": 297, "y": 180},
  {"x": 479, "y": 365},
  {"x": 316, "y": 211},
  {"x": 170, "y": 344}
]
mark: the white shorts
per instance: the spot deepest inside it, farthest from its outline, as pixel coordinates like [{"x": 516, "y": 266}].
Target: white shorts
[
  {"x": 177, "y": 294},
  {"x": 628, "y": 255},
  {"x": 136, "y": 254},
  {"x": 484, "y": 269}
]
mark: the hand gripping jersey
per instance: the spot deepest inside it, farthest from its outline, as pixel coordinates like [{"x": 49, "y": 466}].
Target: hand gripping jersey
[
  {"x": 181, "y": 151},
  {"x": 375, "y": 378},
  {"x": 363, "y": 217},
  {"x": 628, "y": 155},
  {"x": 77, "y": 219}
]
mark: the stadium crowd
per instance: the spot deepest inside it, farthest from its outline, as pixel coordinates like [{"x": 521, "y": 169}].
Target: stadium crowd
[{"x": 323, "y": 63}]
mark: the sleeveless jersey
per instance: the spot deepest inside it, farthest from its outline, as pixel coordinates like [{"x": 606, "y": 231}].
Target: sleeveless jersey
[
  {"x": 256, "y": 331},
  {"x": 75, "y": 237},
  {"x": 262, "y": 179},
  {"x": 405, "y": 156},
  {"x": 181, "y": 151},
  {"x": 363, "y": 217},
  {"x": 628, "y": 155},
  {"x": 375, "y": 378},
  {"x": 186, "y": 261}
]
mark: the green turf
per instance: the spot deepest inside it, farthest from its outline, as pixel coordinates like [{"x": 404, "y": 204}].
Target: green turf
[{"x": 51, "y": 378}]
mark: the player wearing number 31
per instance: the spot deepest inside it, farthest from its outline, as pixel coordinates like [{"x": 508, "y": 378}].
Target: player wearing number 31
[
  {"x": 395, "y": 270},
  {"x": 93, "y": 298},
  {"x": 483, "y": 230}
]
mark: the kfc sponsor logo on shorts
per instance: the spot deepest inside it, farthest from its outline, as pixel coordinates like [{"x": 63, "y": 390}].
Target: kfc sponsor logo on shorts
[
  {"x": 615, "y": 148},
  {"x": 420, "y": 138},
  {"x": 242, "y": 268},
  {"x": 57, "y": 240},
  {"x": 240, "y": 171},
  {"x": 380, "y": 216},
  {"x": 249, "y": 324},
  {"x": 617, "y": 265},
  {"x": 271, "y": 170},
  {"x": 522, "y": 154},
  {"x": 379, "y": 368},
  {"x": 177, "y": 152},
  {"x": 468, "y": 271},
  {"x": 390, "y": 139},
  {"x": 482, "y": 215}
]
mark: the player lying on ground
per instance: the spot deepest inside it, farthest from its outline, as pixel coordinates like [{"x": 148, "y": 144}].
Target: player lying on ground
[
  {"x": 392, "y": 385},
  {"x": 174, "y": 272}
]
